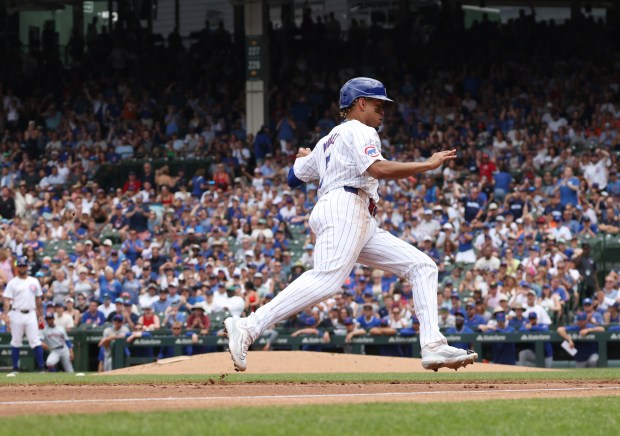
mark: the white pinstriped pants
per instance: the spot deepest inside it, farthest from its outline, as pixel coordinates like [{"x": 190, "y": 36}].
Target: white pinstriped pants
[{"x": 346, "y": 233}]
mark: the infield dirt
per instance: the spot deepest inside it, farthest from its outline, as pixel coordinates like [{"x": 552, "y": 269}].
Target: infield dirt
[
  {"x": 297, "y": 362},
  {"x": 216, "y": 392}
]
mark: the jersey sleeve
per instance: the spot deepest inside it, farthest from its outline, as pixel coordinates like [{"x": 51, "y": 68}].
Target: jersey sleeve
[
  {"x": 305, "y": 168},
  {"x": 365, "y": 146},
  {"x": 37, "y": 284},
  {"x": 8, "y": 291}
]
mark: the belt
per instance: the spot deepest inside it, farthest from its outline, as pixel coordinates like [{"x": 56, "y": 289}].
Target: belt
[
  {"x": 372, "y": 206},
  {"x": 58, "y": 348},
  {"x": 22, "y": 311}
]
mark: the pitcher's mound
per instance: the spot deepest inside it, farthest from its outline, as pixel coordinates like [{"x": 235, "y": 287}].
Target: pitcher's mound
[{"x": 282, "y": 362}]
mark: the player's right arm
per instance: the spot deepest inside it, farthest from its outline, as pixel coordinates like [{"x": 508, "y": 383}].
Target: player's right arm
[
  {"x": 384, "y": 169},
  {"x": 304, "y": 169},
  {"x": 6, "y": 307}
]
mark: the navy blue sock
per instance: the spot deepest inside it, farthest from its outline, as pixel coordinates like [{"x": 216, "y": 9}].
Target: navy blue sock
[
  {"x": 15, "y": 358},
  {"x": 38, "y": 356}
]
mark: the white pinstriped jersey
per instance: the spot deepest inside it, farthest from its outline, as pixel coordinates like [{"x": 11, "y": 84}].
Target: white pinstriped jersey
[
  {"x": 341, "y": 159},
  {"x": 23, "y": 292}
]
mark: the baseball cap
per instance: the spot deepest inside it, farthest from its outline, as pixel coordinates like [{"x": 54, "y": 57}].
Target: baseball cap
[
  {"x": 107, "y": 243},
  {"x": 500, "y": 316},
  {"x": 347, "y": 321},
  {"x": 117, "y": 318},
  {"x": 49, "y": 315},
  {"x": 532, "y": 315},
  {"x": 455, "y": 295},
  {"x": 119, "y": 300},
  {"x": 581, "y": 316},
  {"x": 310, "y": 321},
  {"x": 428, "y": 212},
  {"x": 587, "y": 301},
  {"x": 22, "y": 261}
]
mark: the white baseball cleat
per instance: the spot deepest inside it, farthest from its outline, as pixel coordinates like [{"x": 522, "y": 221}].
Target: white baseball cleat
[
  {"x": 445, "y": 356},
  {"x": 238, "y": 342}
]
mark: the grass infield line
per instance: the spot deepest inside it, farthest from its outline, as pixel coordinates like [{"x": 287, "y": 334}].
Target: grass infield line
[
  {"x": 532, "y": 417},
  {"x": 297, "y": 396}
]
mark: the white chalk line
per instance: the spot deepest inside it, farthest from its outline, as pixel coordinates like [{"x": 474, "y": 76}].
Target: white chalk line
[{"x": 299, "y": 396}]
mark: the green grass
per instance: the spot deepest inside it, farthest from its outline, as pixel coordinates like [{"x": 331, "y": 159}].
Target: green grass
[
  {"x": 498, "y": 417},
  {"x": 427, "y": 377}
]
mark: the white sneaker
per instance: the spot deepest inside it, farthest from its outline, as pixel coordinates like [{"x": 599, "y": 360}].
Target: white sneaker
[
  {"x": 238, "y": 342},
  {"x": 445, "y": 356}
]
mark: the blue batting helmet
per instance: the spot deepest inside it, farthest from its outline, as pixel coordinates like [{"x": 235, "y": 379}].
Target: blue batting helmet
[{"x": 362, "y": 87}]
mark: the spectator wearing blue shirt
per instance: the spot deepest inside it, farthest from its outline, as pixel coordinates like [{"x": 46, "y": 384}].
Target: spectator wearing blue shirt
[
  {"x": 472, "y": 319},
  {"x": 613, "y": 184},
  {"x": 527, "y": 356},
  {"x": 368, "y": 319},
  {"x": 587, "y": 351},
  {"x": 465, "y": 250},
  {"x": 311, "y": 329},
  {"x": 109, "y": 285},
  {"x": 162, "y": 304},
  {"x": 568, "y": 186},
  {"x": 92, "y": 317},
  {"x": 474, "y": 204},
  {"x": 132, "y": 247},
  {"x": 504, "y": 353},
  {"x": 517, "y": 321},
  {"x": 459, "y": 328},
  {"x": 502, "y": 179},
  {"x": 177, "y": 332},
  {"x": 594, "y": 317}
]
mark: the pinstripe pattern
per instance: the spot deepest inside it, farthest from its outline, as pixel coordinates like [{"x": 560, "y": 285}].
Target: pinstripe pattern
[
  {"x": 346, "y": 233},
  {"x": 388, "y": 253}
]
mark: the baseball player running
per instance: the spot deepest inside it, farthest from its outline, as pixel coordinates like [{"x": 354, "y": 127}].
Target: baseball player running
[
  {"x": 22, "y": 309},
  {"x": 55, "y": 339},
  {"x": 348, "y": 164}
]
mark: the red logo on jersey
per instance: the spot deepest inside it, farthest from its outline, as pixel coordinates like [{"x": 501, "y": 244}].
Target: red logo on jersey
[
  {"x": 371, "y": 151},
  {"x": 33, "y": 289}
]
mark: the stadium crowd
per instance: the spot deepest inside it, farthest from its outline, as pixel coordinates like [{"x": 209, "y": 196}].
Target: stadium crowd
[{"x": 532, "y": 108}]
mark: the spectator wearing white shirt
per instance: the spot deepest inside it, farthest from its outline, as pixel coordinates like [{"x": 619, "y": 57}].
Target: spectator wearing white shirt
[
  {"x": 596, "y": 170},
  {"x": 428, "y": 226},
  {"x": 532, "y": 306}
]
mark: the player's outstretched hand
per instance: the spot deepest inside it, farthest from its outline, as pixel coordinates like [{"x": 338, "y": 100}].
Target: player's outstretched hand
[
  {"x": 437, "y": 159},
  {"x": 303, "y": 152}
]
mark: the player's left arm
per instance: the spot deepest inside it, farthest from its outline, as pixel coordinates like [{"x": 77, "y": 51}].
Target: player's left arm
[
  {"x": 384, "y": 169},
  {"x": 39, "y": 307}
]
